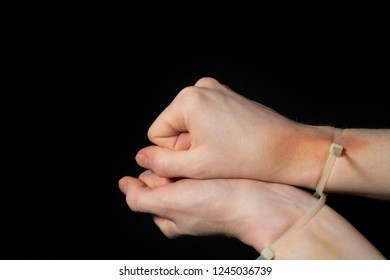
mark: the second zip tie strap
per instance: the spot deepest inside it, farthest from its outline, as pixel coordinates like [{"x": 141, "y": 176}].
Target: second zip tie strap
[
  {"x": 335, "y": 150},
  {"x": 268, "y": 253}
]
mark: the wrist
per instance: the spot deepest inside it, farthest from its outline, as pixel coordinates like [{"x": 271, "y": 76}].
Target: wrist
[
  {"x": 329, "y": 236},
  {"x": 326, "y": 236},
  {"x": 310, "y": 150},
  {"x": 262, "y": 228}
]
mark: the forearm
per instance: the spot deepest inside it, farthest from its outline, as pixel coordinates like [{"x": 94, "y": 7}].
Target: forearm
[
  {"x": 326, "y": 236},
  {"x": 329, "y": 236},
  {"x": 363, "y": 169}
]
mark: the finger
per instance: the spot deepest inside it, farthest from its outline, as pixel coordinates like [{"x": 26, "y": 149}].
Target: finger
[
  {"x": 165, "y": 131},
  {"x": 141, "y": 198},
  {"x": 169, "y": 163},
  {"x": 173, "y": 121},
  {"x": 167, "y": 227},
  {"x": 153, "y": 180},
  {"x": 122, "y": 183},
  {"x": 138, "y": 196}
]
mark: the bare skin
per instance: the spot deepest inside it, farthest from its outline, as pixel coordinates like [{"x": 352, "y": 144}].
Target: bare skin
[
  {"x": 249, "y": 140},
  {"x": 223, "y": 164},
  {"x": 255, "y": 212}
]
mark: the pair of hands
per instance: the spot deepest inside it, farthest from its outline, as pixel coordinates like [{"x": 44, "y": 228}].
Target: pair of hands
[{"x": 224, "y": 164}]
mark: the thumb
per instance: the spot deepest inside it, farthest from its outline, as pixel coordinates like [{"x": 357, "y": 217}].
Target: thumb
[{"x": 168, "y": 163}]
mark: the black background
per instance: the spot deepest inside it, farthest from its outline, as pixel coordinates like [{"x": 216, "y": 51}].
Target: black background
[{"x": 83, "y": 81}]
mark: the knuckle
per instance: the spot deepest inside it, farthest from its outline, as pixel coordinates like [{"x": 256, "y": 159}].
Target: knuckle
[
  {"x": 193, "y": 97},
  {"x": 207, "y": 82}
]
